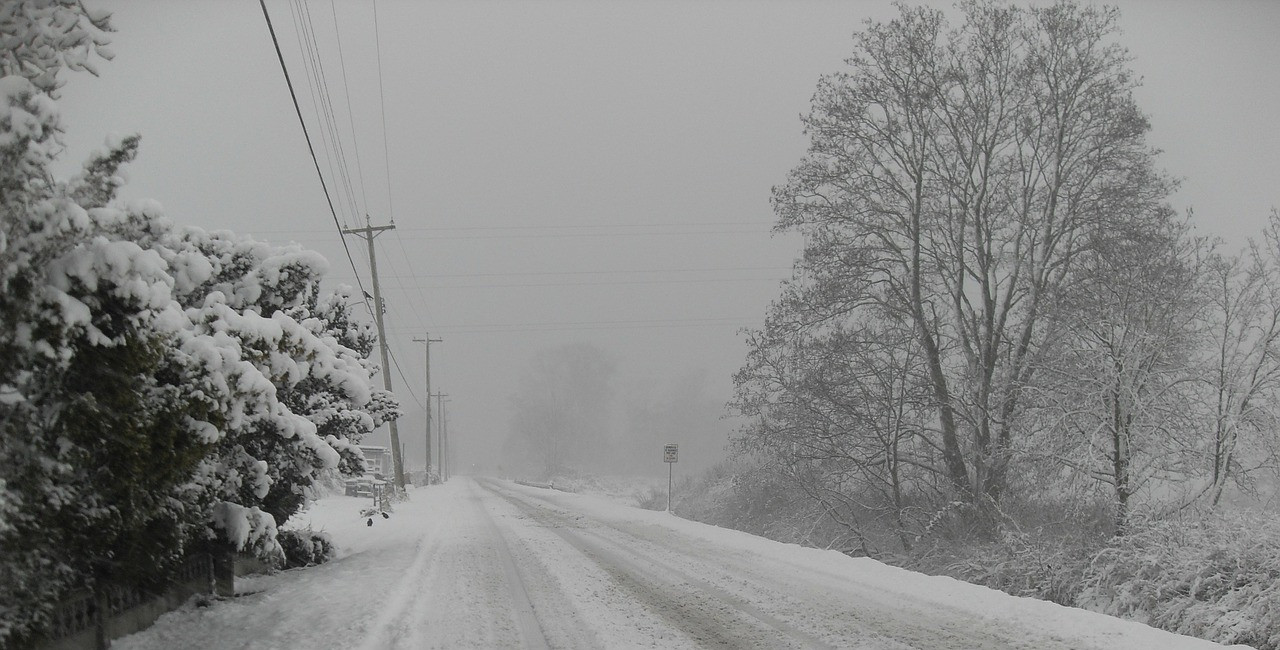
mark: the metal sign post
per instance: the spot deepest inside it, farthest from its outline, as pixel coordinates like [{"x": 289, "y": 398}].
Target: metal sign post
[{"x": 669, "y": 455}]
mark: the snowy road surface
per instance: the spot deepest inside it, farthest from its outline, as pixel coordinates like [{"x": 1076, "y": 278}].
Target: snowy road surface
[{"x": 482, "y": 563}]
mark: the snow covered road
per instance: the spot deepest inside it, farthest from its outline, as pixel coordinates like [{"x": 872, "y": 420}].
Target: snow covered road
[{"x": 483, "y": 563}]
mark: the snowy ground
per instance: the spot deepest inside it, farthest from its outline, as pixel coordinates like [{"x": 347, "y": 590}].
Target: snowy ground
[{"x": 488, "y": 564}]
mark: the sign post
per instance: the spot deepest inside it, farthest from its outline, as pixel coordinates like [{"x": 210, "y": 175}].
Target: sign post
[{"x": 669, "y": 455}]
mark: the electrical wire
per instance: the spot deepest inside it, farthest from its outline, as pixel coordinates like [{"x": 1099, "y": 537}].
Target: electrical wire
[
  {"x": 325, "y": 112},
  {"x": 382, "y": 102},
  {"x": 311, "y": 148},
  {"x": 417, "y": 317},
  {"x": 346, "y": 89},
  {"x": 307, "y": 57},
  {"x": 704, "y": 224},
  {"x": 386, "y": 152},
  {"x": 521, "y": 274},
  {"x": 604, "y": 283},
  {"x": 491, "y": 328},
  {"x": 407, "y": 386}
]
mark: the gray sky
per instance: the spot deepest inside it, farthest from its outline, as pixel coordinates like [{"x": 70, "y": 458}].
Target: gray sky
[{"x": 580, "y": 171}]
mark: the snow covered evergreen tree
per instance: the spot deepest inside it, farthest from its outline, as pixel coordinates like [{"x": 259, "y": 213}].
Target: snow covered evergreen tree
[{"x": 161, "y": 388}]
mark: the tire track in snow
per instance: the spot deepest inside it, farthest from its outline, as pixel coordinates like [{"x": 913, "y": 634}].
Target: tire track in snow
[
  {"x": 394, "y": 608},
  {"x": 709, "y": 614},
  {"x": 880, "y": 619},
  {"x": 531, "y": 634},
  {"x": 865, "y": 617}
]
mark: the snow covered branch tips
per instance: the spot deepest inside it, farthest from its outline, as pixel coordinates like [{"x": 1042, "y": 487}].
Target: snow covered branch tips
[{"x": 162, "y": 389}]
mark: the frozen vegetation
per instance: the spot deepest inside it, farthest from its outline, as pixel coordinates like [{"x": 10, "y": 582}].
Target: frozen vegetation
[{"x": 164, "y": 390}]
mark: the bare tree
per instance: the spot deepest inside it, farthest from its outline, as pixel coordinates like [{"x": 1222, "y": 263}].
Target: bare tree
[
  {"x": 1242, "y": 371},
  {"x": 844, "y": 413},
  {"x": 954, "y": 178},
  {"x": 1122, "y": 375}
]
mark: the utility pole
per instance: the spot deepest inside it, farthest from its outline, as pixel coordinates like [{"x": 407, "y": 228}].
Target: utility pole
[
  {"x": 439, "y": 431},
  {"x": 368, "y": 233},
  {"x": 440, "y": 439},
  {"x": 427, "y": 344},
  {"x": 444, "y": 425}
]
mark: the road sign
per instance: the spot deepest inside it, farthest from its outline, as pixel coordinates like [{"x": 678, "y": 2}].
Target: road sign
[{"x": 669, "y": 455}]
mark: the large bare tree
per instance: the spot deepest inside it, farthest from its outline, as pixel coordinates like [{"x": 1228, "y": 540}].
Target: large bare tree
[{"x": 956, "y": 176}]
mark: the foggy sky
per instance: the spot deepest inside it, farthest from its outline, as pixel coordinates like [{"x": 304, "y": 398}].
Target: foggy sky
[{"x": 592, "y": 172}]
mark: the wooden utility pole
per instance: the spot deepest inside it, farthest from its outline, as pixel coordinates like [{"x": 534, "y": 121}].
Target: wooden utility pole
[
  {"x": 427, "y": 344},
  {"x": 441, "y": 441},
  {"x": 368, "y": 233}
]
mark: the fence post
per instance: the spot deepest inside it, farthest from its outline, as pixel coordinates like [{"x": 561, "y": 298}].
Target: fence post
[
  {"x": 100, "y": 615},
  {"x": 224, "y": 572}
]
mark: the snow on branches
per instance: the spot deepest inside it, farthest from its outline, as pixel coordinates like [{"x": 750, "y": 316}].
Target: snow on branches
[{"x": 162, "y": 388}]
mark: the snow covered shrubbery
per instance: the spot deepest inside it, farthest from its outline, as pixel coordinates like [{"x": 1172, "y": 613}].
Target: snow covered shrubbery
[
  {"x": 162, "y": 389},
  {"x": 1032, "y": 564},
  {"x": 744, "y": 494},
  {"x": 306, "y": 547},
  {"x": 1216, "y": 577}
]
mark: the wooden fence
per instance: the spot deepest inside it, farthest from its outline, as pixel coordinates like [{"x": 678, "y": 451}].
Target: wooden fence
[{"x": 89, "y": 620}]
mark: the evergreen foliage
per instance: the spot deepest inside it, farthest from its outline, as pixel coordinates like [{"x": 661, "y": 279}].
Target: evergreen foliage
[{"x": 163, "y": 389}]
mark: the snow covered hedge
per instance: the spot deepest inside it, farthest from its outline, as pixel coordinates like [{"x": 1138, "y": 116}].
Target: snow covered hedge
[
  {"x": 305, "y": 547},
  {"x": 162, "y": 389}
]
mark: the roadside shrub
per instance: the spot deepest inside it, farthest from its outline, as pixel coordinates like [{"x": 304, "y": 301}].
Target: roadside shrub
[
  {"x": 1030, "y": 564},
  {"x": 305, "y": 547},
  {"x": 1042, "y": 548},
  {"x": 651, "y": 498},
  {"x": 1215, "y": 576}
]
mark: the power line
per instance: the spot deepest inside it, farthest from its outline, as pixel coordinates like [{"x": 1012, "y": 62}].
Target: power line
[
  {"x": 566, "y": 226},
  {"x": 591, "y": 328},
  {"x": 386, "y": 153},
  {"x": 382, "y": 102},
  {"x": 606, "y": 283},
  {"x": 346, "y": 89},
  {"x": 670, "y": 322},
  {"x": 571, "y": 235},
  {"x": 417, "y": 317},
  {"x": 407, "y": 386},
  {"x": 417, "y": 287},
  {"x": 324, "y": 111},
  {"x": 306, "y": 54},
  {"x": 436, "y": 276},
  {"x": 310, "y": 146},
  {"x": 591, "y": 235},
  {"x": 708, "y": 224}
]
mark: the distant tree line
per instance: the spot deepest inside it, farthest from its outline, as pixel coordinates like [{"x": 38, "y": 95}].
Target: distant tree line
[{"x": 163, "y": 390}]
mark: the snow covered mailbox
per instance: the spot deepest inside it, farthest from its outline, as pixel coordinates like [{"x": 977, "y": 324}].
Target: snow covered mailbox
[{"x": 377, "y": 464}]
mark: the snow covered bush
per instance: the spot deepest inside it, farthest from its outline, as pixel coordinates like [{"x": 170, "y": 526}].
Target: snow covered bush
[
  {"x": 1214, "y": 576},
  {"x": 162, "y": 389},
  {"x": 1033, "y": 564},
  {"x": 306, "y": 547}
]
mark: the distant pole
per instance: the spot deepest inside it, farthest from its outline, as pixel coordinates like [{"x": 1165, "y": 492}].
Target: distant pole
[
  {"x": 447, "y": 456},
  {"x": 444, "y": 433},
  {"x": 368, "y": 233},
  {"x": 441, "y": 441},
  {"x": 427, "y": 344}
]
